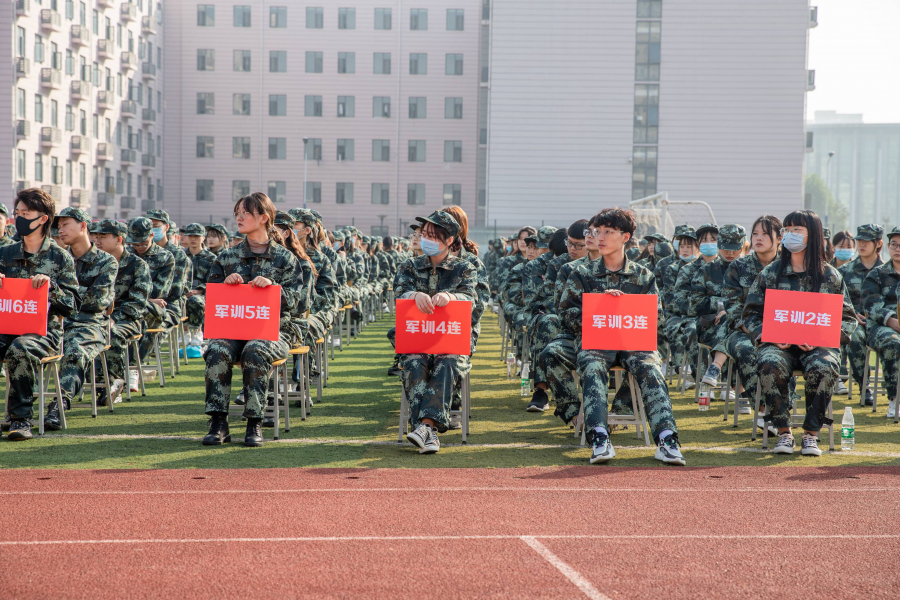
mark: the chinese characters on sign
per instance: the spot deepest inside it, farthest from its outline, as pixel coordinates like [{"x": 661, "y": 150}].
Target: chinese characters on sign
[
  {"x": 626, "y": 322},
  {"x": 620, "y": 321},
  {"x": 239, "y": 311},
  {"x": 242, "y": 312},
  {"x": 446, "y": 331},
  {"x": 18, "y": 307},
  {"x": 23, "y": 309},
  {"x": 448, "y": 327},
  {"x": 802, "y": 318}
]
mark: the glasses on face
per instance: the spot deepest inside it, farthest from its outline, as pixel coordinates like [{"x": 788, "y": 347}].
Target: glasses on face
[
  {"x": 242, "y": 214},
  {"x": 894, "y": 246},
  {"x": 598, "y": 233},
  {"x": 794, "y": 230},
  {"x": 574, "y": 246}
]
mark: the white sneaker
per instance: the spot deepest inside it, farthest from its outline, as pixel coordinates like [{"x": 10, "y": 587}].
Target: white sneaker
[
  {"x": 730, "y": 395},
  {"x": 689, "y": 382},
  {"x": 667, "y": 451},
  {"x": 150, "y": 375},
  {"x": 197, "y": 340},
  {"x": 134, "y": 381},
  {"x": 744, "y": 408},
  {"x": 419, "y": 435},
  {"x": 810, "y": 446},
  {"x": 602, "y": 449},
  {"x": 455, "y": 421},
  {"x": 432, "y": 443},
  {"x": 761, "y": 423},
  {"x": 336, "y": 342},
  {"x": 785, "y": 444},
  {"x": 892, "y": 409},
  {"x": 115, "y": 392},
  {"x": 840, "y": 389}
]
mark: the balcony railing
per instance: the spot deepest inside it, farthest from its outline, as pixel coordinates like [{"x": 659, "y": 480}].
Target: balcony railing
[
  {"x": 129, "y": 60},
  {"x": 148, "y": 161},
  {"x": 105, "y": 99},
  {"x": 51, "y": 78},
  {"x": 129, "y": 108},
  {"x": 129, "y": 157},
  {"x": 23, "y": 67},
  {"x": 23, "y": 129},
  {"x": 105, "y": 199},
  {"x": 51, "y": 136},
  {"x": 22, "y": 185},
  {"x": 80, "y": 198},
  {"x": 23, "y": 8},
  {"x": 55, "y": 191},
  {"x": 149, "y": 70},
  {"x": 104, "y": 152},
  {"x": 50, "y": 20},
  {"x": 106, "y": 3},
  {"x": 148, "y": 24},
  {"x": 80, "y": 35},
  {"x": 148, "y": 205},
  {"x": 148, "y": 115},
  {"x": 81, "y": 90},
  {"x": 105, "y": 49},
  {"x": 129, "y": 202},
  {"x": 80, "y": 144},
  {"x": 129, "y": 11}
]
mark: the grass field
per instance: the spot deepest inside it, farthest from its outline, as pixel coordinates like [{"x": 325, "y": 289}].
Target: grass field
[{"x": 356, "y": 426}]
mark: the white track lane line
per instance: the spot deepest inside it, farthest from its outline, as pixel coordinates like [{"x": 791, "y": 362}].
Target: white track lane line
[
  {"x": 571, "y": 574},
  {"x": 799, "y": 490}
]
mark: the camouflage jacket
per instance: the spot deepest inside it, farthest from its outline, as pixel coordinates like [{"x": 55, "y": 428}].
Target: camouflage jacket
[
  {"x": 504, "y": 266},
  {"x": 768, "y": 279},
  {"x": 276, "y": 264},
  {"x": 217, "y": 251},
  {"x": 854, "y": 273},
  {"x": 680, "y": 297},
  {"x": 132, "y": 287},
  {"x": 325, "y": 296},
  {"x": 357, "y": 261},
  {"x": 633, "y": 253},
  {"x": 513, "y": 292},
  {"x": 739, "y": 278},
  {"x": 482, "y": 289},
  {"x": 594, "y": 278},
  {"x": 385, "y": 267},
  {"x": 543, "y": 300},
  {"x": 454, "y": 275},
  {"x": 5, "y": 240},
  {"x": 182, "y": 274},
  {"x": 201, "y": 263},
  {"x": 879, "y": 295},
  {"x": 563, "y": 276},
  {"x": 96, "y": 274},
  {"x": 161, "y": 264},
  {"x": 340, "y": 272},
  {"x": 533, "y": 276},
  {"x": 708, "y": 289},
  {"x": 490, "y": 262},
  {"x": 56, "y": 263}
]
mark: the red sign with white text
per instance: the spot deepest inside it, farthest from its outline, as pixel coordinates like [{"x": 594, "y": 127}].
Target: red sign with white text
[
  {"x": 626, "y": 322},
  {"x": 447, "y": 331},
  {"x": 242, "y": 312},
  {"x": 802, "y": 318},
  {"x": 23, "y": 309}
]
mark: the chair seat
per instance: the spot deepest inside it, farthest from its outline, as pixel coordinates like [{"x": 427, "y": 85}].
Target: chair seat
[
  {"x": 157, "y": 330},
  {"x": 320, "y": 341},
  {"x": 279, "y": 362},
  {"x": 51, "y": 359},
  {"x": 135, "y": 338},
  {"x": 299, "y": 351}
]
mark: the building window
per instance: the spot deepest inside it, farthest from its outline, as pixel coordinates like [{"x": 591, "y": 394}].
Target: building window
[
  {"x": 453, "y": 108},
  {"x": 240, "y": 104},
  {"x": 242, "y": 60},
  {"x": 277, "y": 148},
  {"x": 454, "y": 64},
  {"x": 382, "y": 18},
  {"x": 20, "y": 103},
  {"x": 344, "y": 193},
  {"x": 277, "y": 191},
  {"x": 313, "y": 106},
  {"x": 206, "y": 103},
  {"x": 417, "y": 107},
  {"x": 346, "y": 150},
  {"x": 647, "y": 51},
  {"x": 38, "y": 108},
  {"x": 206, "y": 60},
  {"x": 381, "y": 150},
  {"x": 455, "y": 20},
  {"x": 39, "y": 167},
  {"x": 239, "y": 189},
  {"x": 418, "y": 19},
  {"x": 646, "y": 114},
  {"x": 205, "y": 146},
  {"x": 313, "y": 62},
  {"x": 382, "y": 63},
  {"x": 346, "y": 62},
  {"x": 38, "y": 49},
  {"x": 315, "y": 17},
  {"x": 206, "y": 15},
  {"x": 70, "y": 118},
  {"x": 204, "y": 190},
  {"x": 649, "y": 9},
  {"x": 278, "y": 61},
  {"x": 482, "y": 139},
  {"x": 314, "y": 192},
  {"x": 415, "y": 193},
  {"x": 452, "y": 151},
  {"x": 452, "y": 194},
  {"x": 20, "y": 164},
  {"x": 240, "y": 147},
  {"x": 278, "y": 16},
  {"x": 346, "y": 18},
  {"x": 242, "y": 16},
  {"x": 381, "y": 106},
  {"x": 277, "y": 105},
  {"x": 418, "y": 64},
  {"x": 346, "y": 106},
  {"x": 643, "y": 172},
  {"x": 381, "y": 193},
  {"x": 314, "y": 149},
  {"x": 416, "y": 151}
]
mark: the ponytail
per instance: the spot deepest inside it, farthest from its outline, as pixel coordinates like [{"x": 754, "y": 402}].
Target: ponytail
[{"x": 287, "y": 239}]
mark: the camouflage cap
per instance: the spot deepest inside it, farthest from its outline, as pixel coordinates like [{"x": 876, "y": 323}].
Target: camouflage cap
[
  {"x": 94, "y": 227},
  {"x": 893, "y": 232},
  {"x": 3, "y": 209},
  {"x": 869, "y": 233},
  {"x": 173, "y": 226},
  {"x": 441, "y": 219},
  {"x": 194, "y": 229},
  {"x": 338, "y": 236},
  {"x": 316, "y": 214},
  {"x": 237, "y": 235},
  {"x": 826, "y": 232},
  {"x": 542, "y": 238},
  {"x": 217, "y": 227},
  {"x": 283, "y": 218},
  {"x": 112, "y": 227},
  {"x": 731, "y": 237},
  {"x": 414, "y": 227},
  {"x": 656, "y": 237},
  {"x": 79, "y": 214},
  {"x": 304, "y": 215},
  {"x": 706, "y": 227},
  {"x": 139, "y": 231},
  {"x": 685, "y": 231},
  {"x": 158, "y": 215}
]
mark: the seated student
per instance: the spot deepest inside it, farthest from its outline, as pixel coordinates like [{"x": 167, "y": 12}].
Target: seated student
[
  {"x": 165, "y": 235},
  {"x": 879, "y": 295},
  {"x": 5, "y": 239},
  {"x": 201, "y": 262},
  {"x": 435, "y": 279},
  {"x": 133, "y": 286},
  {"x": 260, "y": 260},
  {"x": 161, "y": 264},
  {"x": 614, "y": 274},
  {"x": 844, "y": 248},
  {"x": 666, "y": 272},
  {"x": 800, "y": 268},
  {"x": 216, "y": 238},
  {"x": 37, "y": 258},
  {"x": 235, "y": 238}
]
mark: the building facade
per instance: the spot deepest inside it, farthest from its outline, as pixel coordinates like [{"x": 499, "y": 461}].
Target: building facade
[
  {"x": 368, "y": 110},
  {"x": 86, "y": 83}
]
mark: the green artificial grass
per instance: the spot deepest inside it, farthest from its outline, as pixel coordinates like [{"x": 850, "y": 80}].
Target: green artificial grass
[{"x": 355, "y": 425}]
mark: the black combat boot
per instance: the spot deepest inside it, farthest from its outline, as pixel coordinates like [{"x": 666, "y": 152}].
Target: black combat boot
[{"x": 218, "y": 430}]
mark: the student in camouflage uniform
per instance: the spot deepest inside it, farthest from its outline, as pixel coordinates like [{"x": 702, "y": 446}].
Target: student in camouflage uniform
[
  {"x": 201, "y": 262},
  {"x": 879, "y": 295},
  {"x": 85, "y": 331},
  {"x": 654, "y": 241},
  {"x": 161, "y": 264},
  {"x": 5, "y": 239},
  {"x": 182, "y": 274},
  {"x": 216, "y": 238},
  {"x": 800, "y": 268},
  {"x": 869, "y": 243},
  {"x": 45, "y": 264},
  {"x": 132, "y": 291},
  {"x": 506, "y": 264},
  {"x": 666, "y": 272},
  {"x": 614, "y": 274},
  {"x": 260, "y": 260},
  {"x": 435, "y": 279}
]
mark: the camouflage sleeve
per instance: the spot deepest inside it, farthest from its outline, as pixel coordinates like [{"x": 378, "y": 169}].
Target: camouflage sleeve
[
  {"x": 752, "y": 314},
  {"x": 133, "y": 305},
  {"x": 405, "y": 280},
  {"x": 681, "y": 291},
  {"x": 873, "y": 301},
  {"x": 101, "y": 293},
  {"x": 570, "y": 302},
  {"x": 482, "y": 291},
  {"x": 326, "y": 283},
  {"x": 201, "y": 273},
  {"x": 733, "y": 294},
  {"x": 848, "y": 317},
  {"x": 351, "y": 271},
  {"x": 301, "y": 290},
  {"x": 697, "y": 297},
  {"x": 559, "y": 285},
  {"x": 162, "y": 280},
  {"x": 182, "y": 275},
  {"x": 63, "y": 292},
  {"x": 514, "y": 287},
  {"x": 465, "y": 283}
]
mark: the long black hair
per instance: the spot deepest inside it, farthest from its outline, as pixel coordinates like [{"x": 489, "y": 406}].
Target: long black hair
[{"x": 814, "y": 261}]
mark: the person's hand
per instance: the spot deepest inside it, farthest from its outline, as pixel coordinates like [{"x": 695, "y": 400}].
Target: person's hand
[
  {"x": 342, "y": 253},
  {"x": 193, "y": 293},
  {"x": 893, "y": 323},
  {"x": 784, "y": 346},
  {"x": 424, "y": 304},
  {"x": 805, "y": 348},
  {"x": 720, "y": 316},
  {"x": 234, "y": 279},
  {"x": 159, "y": 302},
  {"x": 260, "y": 282},
  {"x": 861, "y": 318},
  {"x": 441, "y": 299},
  {"x": 2, "y": 276},
  {"x": 616, "y": 293},
  {"x": 39, "y": 280}
]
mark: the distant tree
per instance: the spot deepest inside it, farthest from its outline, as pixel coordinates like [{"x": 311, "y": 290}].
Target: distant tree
[{"x": 820, "y": 197}]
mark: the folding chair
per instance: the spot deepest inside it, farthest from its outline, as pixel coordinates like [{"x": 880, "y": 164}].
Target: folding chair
[
  {"x": 301, "y": 396},
  {"x": 156, "y": 333},
  {"x": 865, "y": 384},
  {"x": 464, "y": 410},
  {"x": 796, "y": 418},
  {"x": 325, "y": 352},
  {"x": 638, "y": 417},
  {"x": 722, "y": 387},
  {"x": 135, "y": 343},
  {"x": 93, "y": 385},
  {"x": 49, "y": 362},
  {"x": 319, "y": 360},
  {"x": 390, "y": 302},
  {"x": 275, "y": 410},
  {"x": 182, "y": 342}
]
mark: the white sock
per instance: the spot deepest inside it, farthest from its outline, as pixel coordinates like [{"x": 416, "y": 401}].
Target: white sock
[
  {"x": 601, "y": 429},
  {"x": 665, "y": 433}
]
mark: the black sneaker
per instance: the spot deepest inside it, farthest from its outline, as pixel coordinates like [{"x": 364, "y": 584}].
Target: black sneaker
[
  {"x": 51, "y": 419},
  {"x": 539, "y": 401},
  {"x": 868, "y": 398},
  {"x": 19, "y": 431},
  {"x": 101, "y": 397},
  {"x": 395, "y": 371}
]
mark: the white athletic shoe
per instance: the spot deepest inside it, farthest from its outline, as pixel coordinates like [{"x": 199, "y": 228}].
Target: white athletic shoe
[
  {"x": 602, "y": 449},
  {"x": 744, "y": 408},
  {"x": 419, "y": 435},
  {"x": 134, "y": 382},
  {"x": 115, "y": 392},
  {"x": 667, "y": 451},
  {"x": 840, "y": 388},
  {"x": 150, "y": 375},
  {"x": 730, "y": 395},
  {"x": 785, "y": 444},
  {"x": 892, "y": 409},
  {"x": 197, "y": 340},
  {"x": 689, "y": 382},
  {"x": 761, "y": 423}
]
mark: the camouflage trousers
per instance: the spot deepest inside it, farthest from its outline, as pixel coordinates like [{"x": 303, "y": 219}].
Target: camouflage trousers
[
  {"x": 456, "y": 401},
  {"x": 81, "y": 345},
  {"x": 155, "y": 319},
  {"x": 858, "y": 354},
  {"x": 821, "y": 369},
  {"x": 544, "y": 329},
  {"x": 593, "y": 367},
  {"x": 256, "y": 358},
  {"x": 195, "y": 309},
  {"x": 23, "y": 354},
  {"x": 742, "y": 351},
  {"x": 115, "y": 357},
  {"x": 886, "y": 343},
  {"x": 681, "y": 332},
  {"x": 715, "y": 337},
  {"x": 430, "y": 381}
]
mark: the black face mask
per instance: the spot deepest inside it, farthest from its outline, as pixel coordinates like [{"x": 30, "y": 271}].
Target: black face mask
[{"x": 23, "y": 226}]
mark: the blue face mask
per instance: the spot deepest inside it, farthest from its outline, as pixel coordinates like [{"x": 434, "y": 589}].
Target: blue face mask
[
  {"x": 709, "y": 249},
  {"x": 675, "y": 244},
  {"x": 508, "y": 248},
  {"x": 337, "y": 246},
  {"x": 158, "y": 234},
  {"x": 430, "y": 247},
  {"x": 687, "y": 258},
  {"x": 843, "y": 254},
  {"x": 793, "y": 242}
]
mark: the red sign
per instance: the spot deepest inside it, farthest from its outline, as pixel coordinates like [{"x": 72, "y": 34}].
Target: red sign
[
  {"x": 802, "y": 318},
  {"x": 23, "y": 309},
  {"x": 626, "y": 322},
  {"x": 447, "y": 331},
  {"x": 242, "y": 312}
]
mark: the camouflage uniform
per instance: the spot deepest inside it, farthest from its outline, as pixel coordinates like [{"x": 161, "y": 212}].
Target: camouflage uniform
[
  {"x": 201, "y": 263},
  {"x": 666, "y": 272},
  {"x": 255, "y": 356},
  {"x": 594, "y": 365},
  {"x": 542, "y": 328},
  {"x": 23, "y": 353},
  {"x": 738, "y": 279},
  {"x": 659, "y": 241},
  {"x": 161, "y": 264},
  {"x": 820, "y": 365},
  {"x": 223, "y": 232},
  {"x": 5, "y": 239},
  {"x": 430, "y": 379},
  {"x": 879, "y": 296}
]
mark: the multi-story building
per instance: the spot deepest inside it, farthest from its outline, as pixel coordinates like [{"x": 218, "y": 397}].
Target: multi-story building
[
  {"x": 86, "y": 96},
  {"x": 367, "y": 110}
]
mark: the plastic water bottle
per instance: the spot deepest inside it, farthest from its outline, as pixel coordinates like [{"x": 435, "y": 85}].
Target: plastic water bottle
[
  {"x": 510, "y": 364},
  {"x": 525, "y": 389},
  {"x": 703, "y": 398},
  {"x": 847, "y": 433}
]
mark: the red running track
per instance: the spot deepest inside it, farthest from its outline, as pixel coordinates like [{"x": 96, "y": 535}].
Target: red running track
[{"x": 580, "y": 532}]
